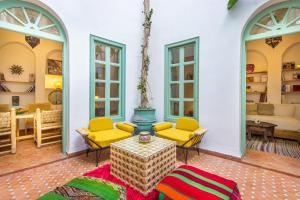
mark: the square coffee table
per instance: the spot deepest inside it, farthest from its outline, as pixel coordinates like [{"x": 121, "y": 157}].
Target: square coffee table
[{"x": 142, "y": 165}]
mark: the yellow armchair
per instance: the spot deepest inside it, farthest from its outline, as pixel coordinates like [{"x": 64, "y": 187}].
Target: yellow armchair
[
  {"x": 186, "y": 133},
  {"x": 101, "y": 133}
]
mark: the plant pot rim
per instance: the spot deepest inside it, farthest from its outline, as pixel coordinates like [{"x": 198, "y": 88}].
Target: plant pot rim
[{"x": 144, "y": 109}]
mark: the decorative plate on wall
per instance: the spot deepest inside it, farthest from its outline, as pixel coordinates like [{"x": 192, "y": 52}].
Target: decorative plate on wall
[{"x": 55, "y": 97}]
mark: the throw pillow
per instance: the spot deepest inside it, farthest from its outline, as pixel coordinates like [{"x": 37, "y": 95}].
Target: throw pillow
[
  {"x": 265, "y": 109},
  {"x": 251, "y": 109},
  {"x": 285, "y": 110}
]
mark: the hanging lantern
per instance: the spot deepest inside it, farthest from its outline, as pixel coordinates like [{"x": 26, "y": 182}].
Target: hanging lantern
[
  {"x": 274, "y": 41},
  {"x": 32, "y": 41}
]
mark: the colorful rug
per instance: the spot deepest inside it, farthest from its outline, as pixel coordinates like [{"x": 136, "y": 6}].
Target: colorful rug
[
  {"x": 279, "y": 146},
  {"x": 104, "y": 173},
  {"x": 188, "y": 182},
  {"x": 87, "y": 188}
]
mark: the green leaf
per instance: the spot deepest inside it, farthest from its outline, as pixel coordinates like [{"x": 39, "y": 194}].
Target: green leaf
[{"x": 231, "y": 3}]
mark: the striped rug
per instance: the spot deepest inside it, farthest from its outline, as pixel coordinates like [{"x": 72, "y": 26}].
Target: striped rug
[{"x": 279, "y": 146}]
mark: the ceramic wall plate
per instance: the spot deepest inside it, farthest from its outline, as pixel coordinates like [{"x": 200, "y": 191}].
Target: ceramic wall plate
[{"x": 55, "y": 97}]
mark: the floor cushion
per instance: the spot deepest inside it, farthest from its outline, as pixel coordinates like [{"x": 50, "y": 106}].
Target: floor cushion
[
  {"x": 87, "y": 188},
  {"x": 188, "y": 182}
]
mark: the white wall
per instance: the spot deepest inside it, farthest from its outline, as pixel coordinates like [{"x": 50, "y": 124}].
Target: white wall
[{"x": 174, "y": 20}]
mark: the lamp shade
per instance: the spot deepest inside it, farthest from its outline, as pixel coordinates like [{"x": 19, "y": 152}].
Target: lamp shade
[{"x": 53, "y": 81}]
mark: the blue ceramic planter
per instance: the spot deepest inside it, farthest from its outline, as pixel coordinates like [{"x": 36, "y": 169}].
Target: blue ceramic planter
[{"x": 144, "y": 118}]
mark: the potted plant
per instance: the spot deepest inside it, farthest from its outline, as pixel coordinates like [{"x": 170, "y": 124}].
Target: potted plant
[{"x": 144, "y": 115}]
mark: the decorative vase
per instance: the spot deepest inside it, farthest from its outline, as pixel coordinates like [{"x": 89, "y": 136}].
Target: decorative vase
[
  {"x": 144, "y": 137},
  {"x": 144, "y": 118}
]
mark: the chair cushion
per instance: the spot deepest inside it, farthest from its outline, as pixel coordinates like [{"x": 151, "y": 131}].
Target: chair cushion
[
  {"x": 180, "y": 136},
  {"x": 163, "y": 126},
  {"x": 125, "y": 127},
  {"x": 100, "y": 124},
  {"x": 187, "y": 124},
  {"x": 105, "y": 138},
  {"x": 188, "y": 182}
]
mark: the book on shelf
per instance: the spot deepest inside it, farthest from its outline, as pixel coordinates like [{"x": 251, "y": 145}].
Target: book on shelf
[{"x": 3, "y": 88}]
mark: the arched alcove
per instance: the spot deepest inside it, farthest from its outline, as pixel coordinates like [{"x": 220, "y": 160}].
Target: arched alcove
[
  {"x": 292, "y": 53},
  {"x": 258, "y": 59},
  {"x": 274, "y": 18},
  {"x": 35, "y": 18},
  {"x": 25, "y": 58}
]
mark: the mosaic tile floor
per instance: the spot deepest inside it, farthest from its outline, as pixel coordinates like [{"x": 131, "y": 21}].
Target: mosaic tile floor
[
  {"x": 254, "y": 182},
  {"x": 27, "y": 149}
]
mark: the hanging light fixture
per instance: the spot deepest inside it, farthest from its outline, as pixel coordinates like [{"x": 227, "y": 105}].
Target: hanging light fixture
[
  {"x": 32, "y": 41},
  {"x": 274, "y": 41}
]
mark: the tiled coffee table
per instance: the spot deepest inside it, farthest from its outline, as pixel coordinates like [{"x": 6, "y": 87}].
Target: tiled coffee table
[{"x": 140, "y": 165}]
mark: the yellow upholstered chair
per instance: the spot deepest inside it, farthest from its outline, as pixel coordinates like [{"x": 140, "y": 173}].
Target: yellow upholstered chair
[
  {"x": 101, "y": 133},
  {"x": 48, "y": 125},
  {"x": 187, "y": 133},
  {"x": 8, "y": 132}
]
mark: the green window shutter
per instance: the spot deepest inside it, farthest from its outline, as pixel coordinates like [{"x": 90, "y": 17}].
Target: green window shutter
[{"x": 107, "y": 78}]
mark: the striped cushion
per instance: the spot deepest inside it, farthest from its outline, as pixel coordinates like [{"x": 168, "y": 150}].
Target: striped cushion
[{"x": 188, "y": 182}]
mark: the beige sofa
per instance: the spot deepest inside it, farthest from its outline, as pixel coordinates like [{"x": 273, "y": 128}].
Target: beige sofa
[{"x": 285, "y": 116}]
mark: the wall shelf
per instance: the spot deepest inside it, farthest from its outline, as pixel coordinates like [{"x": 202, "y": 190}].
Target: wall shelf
[
  {"x": 290, "y": 70},
  {"x": 256, "y": 92},
  {"x": 29, "y": 82},
  {"x": 256, "y": 83},
  {"x": 262, "y": 72},
  {"x": 20, "y": 93},
  {"x": 292, "y": 81},
  {"x": 293, "y": 92}
]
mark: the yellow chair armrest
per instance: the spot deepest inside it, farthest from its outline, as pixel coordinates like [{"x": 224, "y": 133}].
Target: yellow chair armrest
[
  {"x": 130, "y": 124},
  {"x": 200, "y": 131},
  {"x": 125, "y": 127},
  {"x": 162, "y": 126},
  {"x": 83, "y": 131}
]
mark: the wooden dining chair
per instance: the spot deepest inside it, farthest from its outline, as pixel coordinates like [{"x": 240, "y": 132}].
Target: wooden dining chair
[
  {"x": 29, "y": 123},
  {"x": 8, "y": 132},
  {"x": 48, "y": 125}
]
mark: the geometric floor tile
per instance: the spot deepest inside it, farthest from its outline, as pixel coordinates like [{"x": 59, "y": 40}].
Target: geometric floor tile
[{"x": 253, "y": 182}]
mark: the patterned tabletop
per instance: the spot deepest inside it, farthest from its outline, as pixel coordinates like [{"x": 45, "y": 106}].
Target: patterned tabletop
[{"x": 145, "y": 150}]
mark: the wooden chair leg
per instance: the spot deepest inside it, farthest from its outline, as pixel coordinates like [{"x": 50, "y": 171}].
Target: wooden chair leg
[
  {"x": 97, "y": 159},
  {"x": 87, "y": 152},
  {"x": 186, "y": 155}
]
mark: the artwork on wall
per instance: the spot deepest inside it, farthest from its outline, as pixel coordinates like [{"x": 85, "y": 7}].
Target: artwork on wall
[
  {"x": 15, "y": 100},
  {"x": 32, "y": 41},
  {"x": 16, "y": 69},
  {"x": 274, "y": 41},
  {"x": 54, "y": 67}
]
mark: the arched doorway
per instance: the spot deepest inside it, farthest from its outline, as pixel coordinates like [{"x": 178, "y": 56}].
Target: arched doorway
[
  {"x": 277, "y": 20},
  {"x": 28, "y": 18}
]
